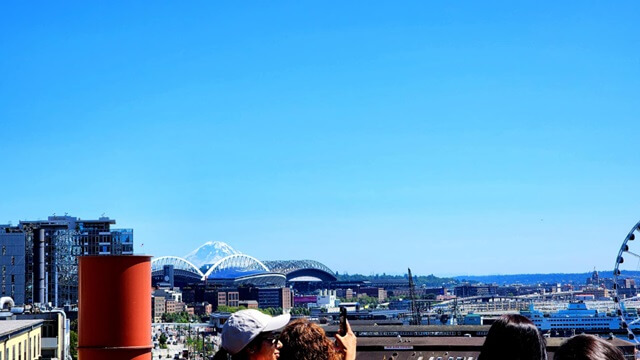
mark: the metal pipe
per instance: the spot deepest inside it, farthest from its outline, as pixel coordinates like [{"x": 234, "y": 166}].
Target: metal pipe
[
  {"x": 65, "y": 340},
  {"x": 39, "y": 291},
  {"x": 114, "y": 307},
  {"x": 6, "y": 300}
]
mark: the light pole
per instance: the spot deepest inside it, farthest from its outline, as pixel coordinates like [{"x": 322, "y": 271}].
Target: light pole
[{"x": 189, "y": 343}]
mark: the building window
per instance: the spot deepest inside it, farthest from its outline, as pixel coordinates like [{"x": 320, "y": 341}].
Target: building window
[
  {"x": 13, "y": 260},
  {"x": 4, "y": 250}
]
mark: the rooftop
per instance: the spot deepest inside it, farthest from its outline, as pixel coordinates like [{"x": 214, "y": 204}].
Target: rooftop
[{"x": 8, "y": 327}]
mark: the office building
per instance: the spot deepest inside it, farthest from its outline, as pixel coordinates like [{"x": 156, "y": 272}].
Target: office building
[
  {"x": 12, "y": 263},
  {"x": 475, "y": 290},
  {"x": 274, "y": 298},
  {"x": 51, "y": 248},
  {"x": 377, "y": 293}
]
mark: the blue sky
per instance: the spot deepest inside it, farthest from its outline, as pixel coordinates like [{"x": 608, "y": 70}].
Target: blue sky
[{"x": 449, "y": 137}]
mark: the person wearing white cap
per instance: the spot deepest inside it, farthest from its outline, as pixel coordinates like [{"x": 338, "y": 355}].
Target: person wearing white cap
[{"x": 250, "y": 335}]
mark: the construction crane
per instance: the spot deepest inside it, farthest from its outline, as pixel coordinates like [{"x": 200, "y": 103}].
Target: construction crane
[{"x": 415, "y": 311}]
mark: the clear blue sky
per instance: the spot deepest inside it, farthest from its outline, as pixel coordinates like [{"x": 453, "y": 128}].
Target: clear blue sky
[{"x": 449, "y": 137}]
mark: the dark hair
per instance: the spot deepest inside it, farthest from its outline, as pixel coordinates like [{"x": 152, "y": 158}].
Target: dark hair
[
  {"x": 304, "y": 340},
  {"x": 222, "y": 354},
  {"x": 587, "y": 347},
  {"x": 513, "y": 337}
]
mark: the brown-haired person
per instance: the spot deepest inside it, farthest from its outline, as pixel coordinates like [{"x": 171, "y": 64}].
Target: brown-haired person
[
  {"x": 513, "y": 337},
  {"x": 304, "y": 340},
  {"x": 587, "y": 347},
  {"x": 250, "y": 335}
]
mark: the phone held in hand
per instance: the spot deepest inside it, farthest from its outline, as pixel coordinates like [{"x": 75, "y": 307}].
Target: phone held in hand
[{"x": 343, "y": 321}]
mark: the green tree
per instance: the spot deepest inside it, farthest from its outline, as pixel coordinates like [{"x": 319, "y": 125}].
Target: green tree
[
  {"x": 181, "y": 317},
  {"x": 368, "y": 301},
  {"x": 300, "y": 311},
  {"x": 73, "y": 346},
  {"x": 229, "y": 309},
  {"x": 272, "y": 311},
  {"x": 162, "y": 340}
]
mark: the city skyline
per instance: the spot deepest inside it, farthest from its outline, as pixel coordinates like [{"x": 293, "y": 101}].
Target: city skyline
[{"x": 454, "y": 139}]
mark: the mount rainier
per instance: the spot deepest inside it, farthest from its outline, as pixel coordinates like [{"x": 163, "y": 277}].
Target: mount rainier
[{"x": 210, "y": 252}]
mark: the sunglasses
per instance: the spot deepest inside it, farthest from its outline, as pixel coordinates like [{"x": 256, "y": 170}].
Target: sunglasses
[{"x": 272, "y": 339}]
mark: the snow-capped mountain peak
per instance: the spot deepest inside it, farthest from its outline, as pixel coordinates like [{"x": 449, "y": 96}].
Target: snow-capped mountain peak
[{"x": 210, "y": 252}]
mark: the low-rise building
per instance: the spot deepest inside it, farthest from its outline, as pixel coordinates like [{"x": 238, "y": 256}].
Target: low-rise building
[
  {"x": 475, "y": 290},
  {"x": 375, "y": 292},
  {"x": 55, "y": 336},
  {"x": 272, "y": 297},
  {"x": 305, "y": 301},
  {"x": 326, "y": 299},
  {"x": 598, "y": 293},
  {"x": 249, "y": 304},
  {"x": 348, "y": 294},
  {"x": 158, "y": 308},
  {"x": 221, "y": 297},
  {"x": 419, "y": 292},
  {"x": 202, "y": 308},
  {"x": 168, "y": 294},
  {"x": 21, "y": 339},
  {"x": 173, "y": 307}
]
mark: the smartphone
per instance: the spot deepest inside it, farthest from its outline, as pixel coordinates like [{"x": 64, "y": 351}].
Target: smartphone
[{"x": 343, "y": 321}]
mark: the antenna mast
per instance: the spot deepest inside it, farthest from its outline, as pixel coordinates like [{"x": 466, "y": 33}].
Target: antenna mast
[{"x": 415, "y": 311}]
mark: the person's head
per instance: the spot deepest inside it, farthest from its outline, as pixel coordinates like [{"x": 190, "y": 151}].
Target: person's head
[
  {"x": 304, "y": 340},
  {"x": 587, "y": 347},
  {"x": 513, "y": 337},
  {"x": 249, "y": 335}
]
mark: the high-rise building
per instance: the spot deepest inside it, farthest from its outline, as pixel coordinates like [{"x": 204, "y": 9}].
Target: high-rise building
[
  {"x": 12, "y": 262},
  {"x": 51, "y": 250}
]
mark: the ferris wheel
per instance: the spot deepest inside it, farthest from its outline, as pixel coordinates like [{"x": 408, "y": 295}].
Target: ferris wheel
[{"x": 627, "y": 260}]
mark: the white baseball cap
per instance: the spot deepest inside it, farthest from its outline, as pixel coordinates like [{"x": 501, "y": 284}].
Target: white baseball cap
[{"x": 245, "y": 325}]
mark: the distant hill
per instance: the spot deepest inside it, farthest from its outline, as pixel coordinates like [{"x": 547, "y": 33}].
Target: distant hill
[
  {"x": 532, "y": 279},
  {"x": 524, "y": 279},
  {"x": 428, "y": 280}
]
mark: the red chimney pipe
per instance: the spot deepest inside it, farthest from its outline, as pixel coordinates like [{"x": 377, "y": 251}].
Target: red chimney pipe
[{"x": 114, "y": 307}]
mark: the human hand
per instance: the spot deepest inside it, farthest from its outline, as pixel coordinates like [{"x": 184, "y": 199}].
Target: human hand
[{"x": 347, "y": 343}]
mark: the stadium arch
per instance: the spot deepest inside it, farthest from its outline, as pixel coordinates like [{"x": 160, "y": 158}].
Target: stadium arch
[
  {"x": 302, "y": 270},
  {"x": 184, "y": 272},
  {"x": 240, "y": 269}
]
